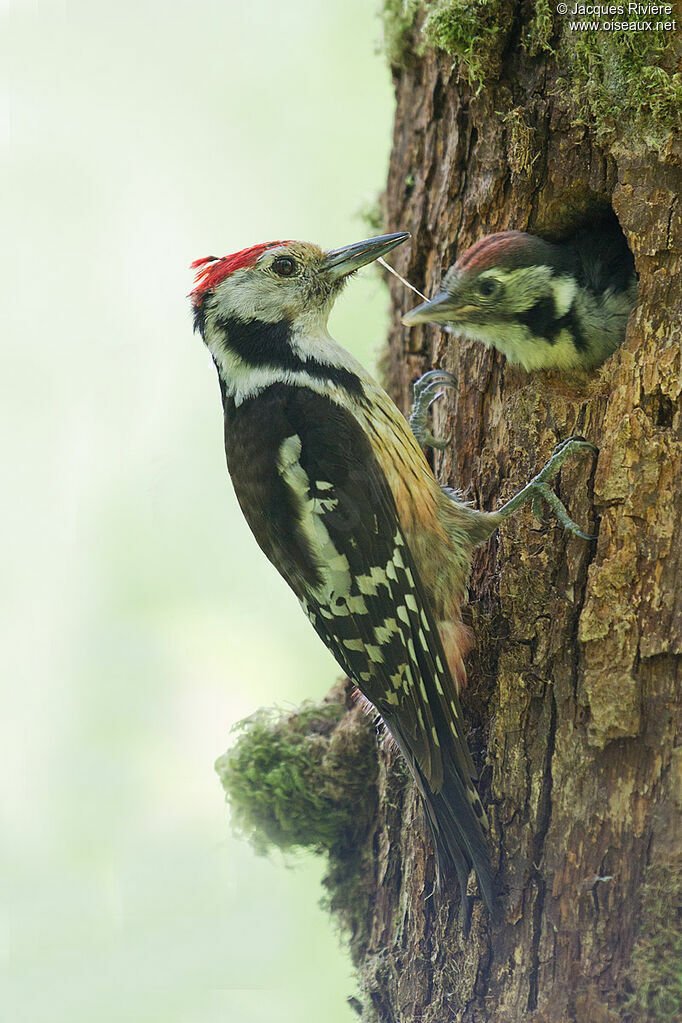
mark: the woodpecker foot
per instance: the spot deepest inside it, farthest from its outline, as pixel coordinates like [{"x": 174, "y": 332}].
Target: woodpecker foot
[
  {"x": 537, "y": 490},
  {"x": 426, "y": 390}
]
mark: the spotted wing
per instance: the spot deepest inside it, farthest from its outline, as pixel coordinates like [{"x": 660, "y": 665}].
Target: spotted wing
[
  {"x": 322, "y": 511},
  {"x": 370, "y": 608}
]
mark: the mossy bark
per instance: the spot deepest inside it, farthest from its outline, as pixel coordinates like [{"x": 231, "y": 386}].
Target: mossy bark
[{"x": 574, "y": 683}]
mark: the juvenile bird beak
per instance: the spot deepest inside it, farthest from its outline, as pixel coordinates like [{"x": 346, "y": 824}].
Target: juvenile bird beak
[
  {"x": 442, "y": 308},
  {"x": 340, "y": 262}
]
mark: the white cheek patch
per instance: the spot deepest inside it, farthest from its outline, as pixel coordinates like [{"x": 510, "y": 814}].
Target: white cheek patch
[
  {"x": 238, "y": 296},
  {"x": 564, "y": 289},
  {"x": 523, "y": 287},
  {"x": 252, "y": 294}
]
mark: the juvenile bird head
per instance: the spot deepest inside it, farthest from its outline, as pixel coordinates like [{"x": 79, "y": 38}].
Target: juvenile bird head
[{"x": 541, "y": 304}]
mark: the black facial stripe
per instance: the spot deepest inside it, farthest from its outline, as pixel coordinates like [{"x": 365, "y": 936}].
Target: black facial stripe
[
  {"x": 542, "y": 321},
  {"x": 259, "y": 343},
  {"x": 570, "y": 320},
  {"x": 199, "y": 318},
  {"x": 541, "y": 325},
  {"x": 541, "y": 318},
  {"x": 268, "y": 345}
]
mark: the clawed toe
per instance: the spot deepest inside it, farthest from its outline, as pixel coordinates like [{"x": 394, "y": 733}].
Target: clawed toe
[
  {"x": 439, "y": 443},
  {"x": 434, "y": 376},
  {"x": 540, "y": 494},
  {"x": 570, "y": 446},
  {"x": 573, "y": 444},
  {"x": 427, "y": 389}
]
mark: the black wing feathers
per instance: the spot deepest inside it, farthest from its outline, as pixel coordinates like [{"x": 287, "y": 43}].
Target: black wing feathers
[
  {"x": 371, "y": 612},
  {"x": 604, "y": 260}
]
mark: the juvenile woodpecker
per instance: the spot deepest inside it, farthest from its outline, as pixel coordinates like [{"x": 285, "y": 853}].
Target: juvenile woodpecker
[
  {"x": 543, "y": 305},
  {"x": 341, "y": 499}
]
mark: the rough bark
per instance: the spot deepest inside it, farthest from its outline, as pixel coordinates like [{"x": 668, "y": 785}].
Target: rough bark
[
  {"x": 573, "y": 697},
  {"x": 574, "y": 683}
]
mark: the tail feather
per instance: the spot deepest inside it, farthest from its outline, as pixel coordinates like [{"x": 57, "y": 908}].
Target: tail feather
[
  {"x": 458, "y": 837},
  {"x": 458, "y": 830}
]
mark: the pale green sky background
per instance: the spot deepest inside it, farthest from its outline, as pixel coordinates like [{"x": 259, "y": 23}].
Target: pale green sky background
[{"x": 139, "y": 619}]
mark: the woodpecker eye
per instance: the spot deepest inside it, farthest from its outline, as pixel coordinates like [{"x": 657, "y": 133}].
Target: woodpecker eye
[
  {"x": 488, "y": 286},
  {"x": 284, "y": 266}
]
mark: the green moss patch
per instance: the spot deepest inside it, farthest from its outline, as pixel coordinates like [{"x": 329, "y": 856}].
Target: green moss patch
[
  {"x": 625, "y": 84},
  {"x": 294, "y": 780},
  {"x": 398, "y": 17},
  {"x": 656, "y": 976},
  {"x": 538, "y": 34},
  {"x": 308, "y": 780},
  {"x": 621, "y": 83},
  {"x": 473, "y": 32}
]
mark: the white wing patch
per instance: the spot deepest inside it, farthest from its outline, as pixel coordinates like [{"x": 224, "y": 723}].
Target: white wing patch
[{"x": 333, "y": 563}]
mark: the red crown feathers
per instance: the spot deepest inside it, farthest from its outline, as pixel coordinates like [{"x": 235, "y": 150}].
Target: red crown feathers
[
  {"x": 212, "y": 270},
  {"x": 511, "y": 249}
]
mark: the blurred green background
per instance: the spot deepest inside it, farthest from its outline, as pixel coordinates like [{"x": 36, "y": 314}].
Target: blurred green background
[{"x": 140, "y": 620}]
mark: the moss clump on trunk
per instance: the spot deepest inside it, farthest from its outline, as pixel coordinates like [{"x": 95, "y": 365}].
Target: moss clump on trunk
[
  {"x": 398, "y": 18},
  {"x": 295, "y": 780},
  {"x": 307, "y": 779},
  {"x": 473, "y": 32},
  {"x": 623, "y": 83}
]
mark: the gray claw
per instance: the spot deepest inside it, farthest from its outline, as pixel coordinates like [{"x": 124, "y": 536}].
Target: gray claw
[
  {"x": 541, "y": 492},
  {"x": 426, "y": 391},
  {"x": 537, "y": 490}
]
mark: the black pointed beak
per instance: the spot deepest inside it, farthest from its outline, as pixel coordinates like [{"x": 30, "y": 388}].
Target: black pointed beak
[
  {"x": 340, "y": 262},
  {"x": 442, "y": 308}
]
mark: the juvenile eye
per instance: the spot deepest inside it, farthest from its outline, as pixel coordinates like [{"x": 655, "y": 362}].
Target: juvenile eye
[
  {"x": 284, "y": 266},
  {"x": 488, "y": 286}
]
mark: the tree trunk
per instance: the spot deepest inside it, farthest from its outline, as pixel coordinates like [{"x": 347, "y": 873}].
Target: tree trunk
[
  {"x": 573, "y": 685},
  {"x": 572, "y": 695}
]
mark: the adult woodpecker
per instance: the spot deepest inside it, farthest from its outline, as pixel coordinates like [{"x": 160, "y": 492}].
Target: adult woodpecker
[
  {"x": 341, "y": 499},
  {"x": 551, "y": 306}
]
